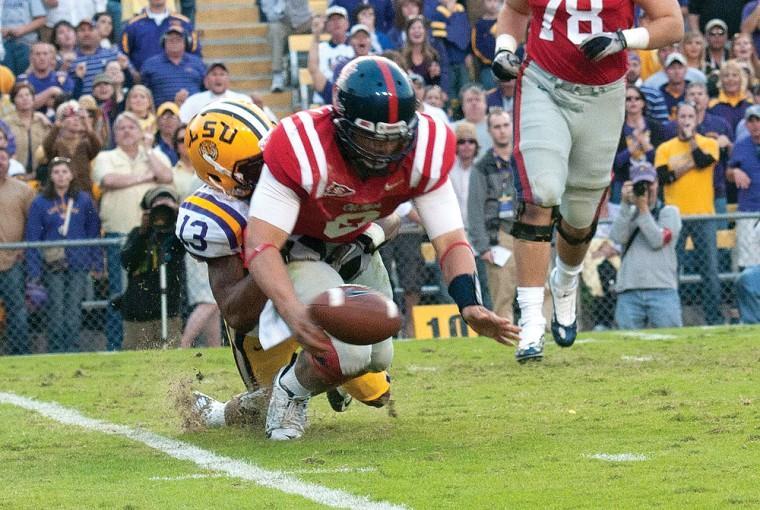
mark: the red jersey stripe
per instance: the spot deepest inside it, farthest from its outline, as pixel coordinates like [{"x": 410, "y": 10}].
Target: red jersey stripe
[{"x": 306, "y": 144}]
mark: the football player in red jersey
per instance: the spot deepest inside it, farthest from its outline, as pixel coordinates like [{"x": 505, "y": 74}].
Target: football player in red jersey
[
  {"x": 223, "y": 142},
  {"x": 569, "y": 110},
  {"x": 329, "y": 173}
]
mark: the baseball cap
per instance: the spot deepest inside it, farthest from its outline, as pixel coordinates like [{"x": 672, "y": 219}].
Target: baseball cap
[
  {"x": 416, "y": 78},
  {"x": 359, "y": 27},
  {"x": 336, "y": 9},
  {"x": 466, "y": 131},
  {"x": 177, "y": 29},
  {"x": 214, "y": 65},
  {"x": 154, "y": 194},
  {"x": 102, "y": 78},
  {"x": 643, "y": 171},
  {"x": 675, "y": 57},
  {"x": 168, "y": 106},
  {"x": 752, "y": 111},
  {"x": 89, "y": 21},
  {"x": 716, "y": 22}
]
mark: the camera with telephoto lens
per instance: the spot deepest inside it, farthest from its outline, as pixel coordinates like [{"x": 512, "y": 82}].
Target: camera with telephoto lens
[
  {"x": 162, "y": 218},
  {"x": 641, "y": 188}
]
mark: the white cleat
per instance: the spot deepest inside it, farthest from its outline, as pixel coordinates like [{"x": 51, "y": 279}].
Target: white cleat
[
  {"x": 210, "y": 410},
  {"x": 286, "y": 416},
  {"x": 564, "y": 323}
]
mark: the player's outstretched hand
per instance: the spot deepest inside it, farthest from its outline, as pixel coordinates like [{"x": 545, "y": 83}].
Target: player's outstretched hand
[
  {"x": 601, "y": 45},
  {"x": 487, "y": 323},
  {"x": 309, "y": 335}
]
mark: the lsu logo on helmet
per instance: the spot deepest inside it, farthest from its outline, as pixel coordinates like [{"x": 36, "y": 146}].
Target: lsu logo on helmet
[{"x": 223, "y": 141}]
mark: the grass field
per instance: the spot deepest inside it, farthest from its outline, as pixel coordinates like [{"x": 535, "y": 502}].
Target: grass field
[{"x": 622, "y": 420}]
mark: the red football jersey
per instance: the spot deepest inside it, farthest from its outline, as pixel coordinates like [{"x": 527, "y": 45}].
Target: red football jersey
[
  {"x": 336, "y": 205},
  {"x": 558, "y": 27}
]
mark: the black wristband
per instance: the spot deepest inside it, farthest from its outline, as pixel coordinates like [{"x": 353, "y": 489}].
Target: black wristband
[{"x": 464, "y": 289}]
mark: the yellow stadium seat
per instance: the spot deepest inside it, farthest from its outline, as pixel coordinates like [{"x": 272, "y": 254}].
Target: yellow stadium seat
[{"x": 298, "y": 49}]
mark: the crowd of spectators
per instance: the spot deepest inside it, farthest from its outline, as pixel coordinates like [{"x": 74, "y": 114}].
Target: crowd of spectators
[{"x": 95, "y": 95}]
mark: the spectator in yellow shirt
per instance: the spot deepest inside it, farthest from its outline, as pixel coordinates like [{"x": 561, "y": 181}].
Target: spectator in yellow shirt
[{"x": 685, "y": 166}]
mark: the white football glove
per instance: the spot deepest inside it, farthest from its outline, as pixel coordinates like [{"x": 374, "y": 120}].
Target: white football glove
[{"x": 603, "y": 44}]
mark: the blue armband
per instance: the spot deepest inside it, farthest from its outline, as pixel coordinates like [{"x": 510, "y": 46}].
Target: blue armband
[{"x": 464, "y": 289}]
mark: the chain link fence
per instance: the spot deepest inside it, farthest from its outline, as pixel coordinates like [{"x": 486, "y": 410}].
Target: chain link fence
[{"x": 35, "y": 314}]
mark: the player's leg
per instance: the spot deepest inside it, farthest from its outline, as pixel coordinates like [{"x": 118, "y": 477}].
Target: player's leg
[
  {"x": 595, "y": 123},
  {"x": 542, "y": 148},
  {"x": 310, "y": 375},
  {"x": 257, "y": 369}
]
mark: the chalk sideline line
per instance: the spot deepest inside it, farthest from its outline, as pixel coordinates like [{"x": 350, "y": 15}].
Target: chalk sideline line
[{"x": 205, "y": 459}]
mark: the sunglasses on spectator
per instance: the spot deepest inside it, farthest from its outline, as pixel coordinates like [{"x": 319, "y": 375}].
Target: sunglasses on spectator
[
  {"x": 462, "y": 141},
  {"x": 716, "y": 33},
  {"x": 60, "y": 159}
]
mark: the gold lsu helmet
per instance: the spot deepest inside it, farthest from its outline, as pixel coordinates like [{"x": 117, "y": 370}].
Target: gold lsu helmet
[{"x": 223, "y": 143}]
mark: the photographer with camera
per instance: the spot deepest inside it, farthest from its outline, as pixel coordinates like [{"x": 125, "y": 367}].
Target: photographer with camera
[
  {"x": 647, "y": 282},
  {"x": 125, "y": 174},
  {"x": 149, "y": 246}
]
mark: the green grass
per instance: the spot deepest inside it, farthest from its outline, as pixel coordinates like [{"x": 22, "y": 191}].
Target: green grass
[{"x": 473, "y": 429}]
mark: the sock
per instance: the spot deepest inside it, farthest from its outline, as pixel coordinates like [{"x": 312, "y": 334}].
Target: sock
[
  {"x": 566, "y": 276},
  {"x": 532, "y": 321},
  {"x": 289, "y": 382}
]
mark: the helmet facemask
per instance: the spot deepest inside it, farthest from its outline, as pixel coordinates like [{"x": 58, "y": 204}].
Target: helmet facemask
[
  {"x": 245, "y": 175},
  {"x": 371, "y": 148}
]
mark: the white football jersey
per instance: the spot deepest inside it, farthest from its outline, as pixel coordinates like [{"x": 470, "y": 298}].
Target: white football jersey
[{"x": 211, "y": 224}]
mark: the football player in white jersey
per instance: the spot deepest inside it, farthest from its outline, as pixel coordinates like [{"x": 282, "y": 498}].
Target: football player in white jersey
[{"x": 223, "y": 143}]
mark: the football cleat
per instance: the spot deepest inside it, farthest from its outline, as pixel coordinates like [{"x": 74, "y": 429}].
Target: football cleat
[
  {"x": 286, "y": 416},
  {"x": 564, "y": 321},
  {"x": 210, "y": 410},
  {"x": 339, "y": 400},
  {"x": 533, "y": 351}
]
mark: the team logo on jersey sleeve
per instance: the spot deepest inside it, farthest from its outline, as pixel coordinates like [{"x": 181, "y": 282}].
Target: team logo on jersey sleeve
[{"x": 335, "y": 189}]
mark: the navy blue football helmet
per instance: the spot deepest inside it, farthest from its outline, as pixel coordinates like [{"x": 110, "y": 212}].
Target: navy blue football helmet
[{"x": 375, "y": 114}]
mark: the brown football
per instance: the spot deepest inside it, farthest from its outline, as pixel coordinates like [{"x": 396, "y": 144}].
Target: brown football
[{"x": 356, "y": 314}]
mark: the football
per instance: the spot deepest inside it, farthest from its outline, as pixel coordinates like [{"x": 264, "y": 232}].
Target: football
[{"x": 356, "y": 314}]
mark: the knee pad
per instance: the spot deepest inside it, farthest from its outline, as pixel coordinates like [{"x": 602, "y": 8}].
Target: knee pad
[
  {"x": 536, "y": 233},
  {"x": 573, "y": 240}
]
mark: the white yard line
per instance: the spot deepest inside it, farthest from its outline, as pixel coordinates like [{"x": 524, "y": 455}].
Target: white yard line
[
  {"x": 619, "y": 457},
  {"x": 649, "y": 336},
  {"x": 205, "y": 459},
  {"x": 637, "y": 358}
]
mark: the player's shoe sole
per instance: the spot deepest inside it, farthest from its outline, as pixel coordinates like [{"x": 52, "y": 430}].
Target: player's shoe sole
[{"x": 563, "y": 335}]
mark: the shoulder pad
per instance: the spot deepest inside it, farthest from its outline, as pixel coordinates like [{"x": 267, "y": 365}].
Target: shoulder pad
[{"x": 211, "y": 225}]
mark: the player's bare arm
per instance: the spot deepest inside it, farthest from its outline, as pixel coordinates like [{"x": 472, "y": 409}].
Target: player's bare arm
[
  {"x": 239, "y": 298},
  {"x": 262, "y": 252},
  {"x": 458, "y": 266},
  {"x": 511, "y": 25},
  {"x": 664, "y": 26}
]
